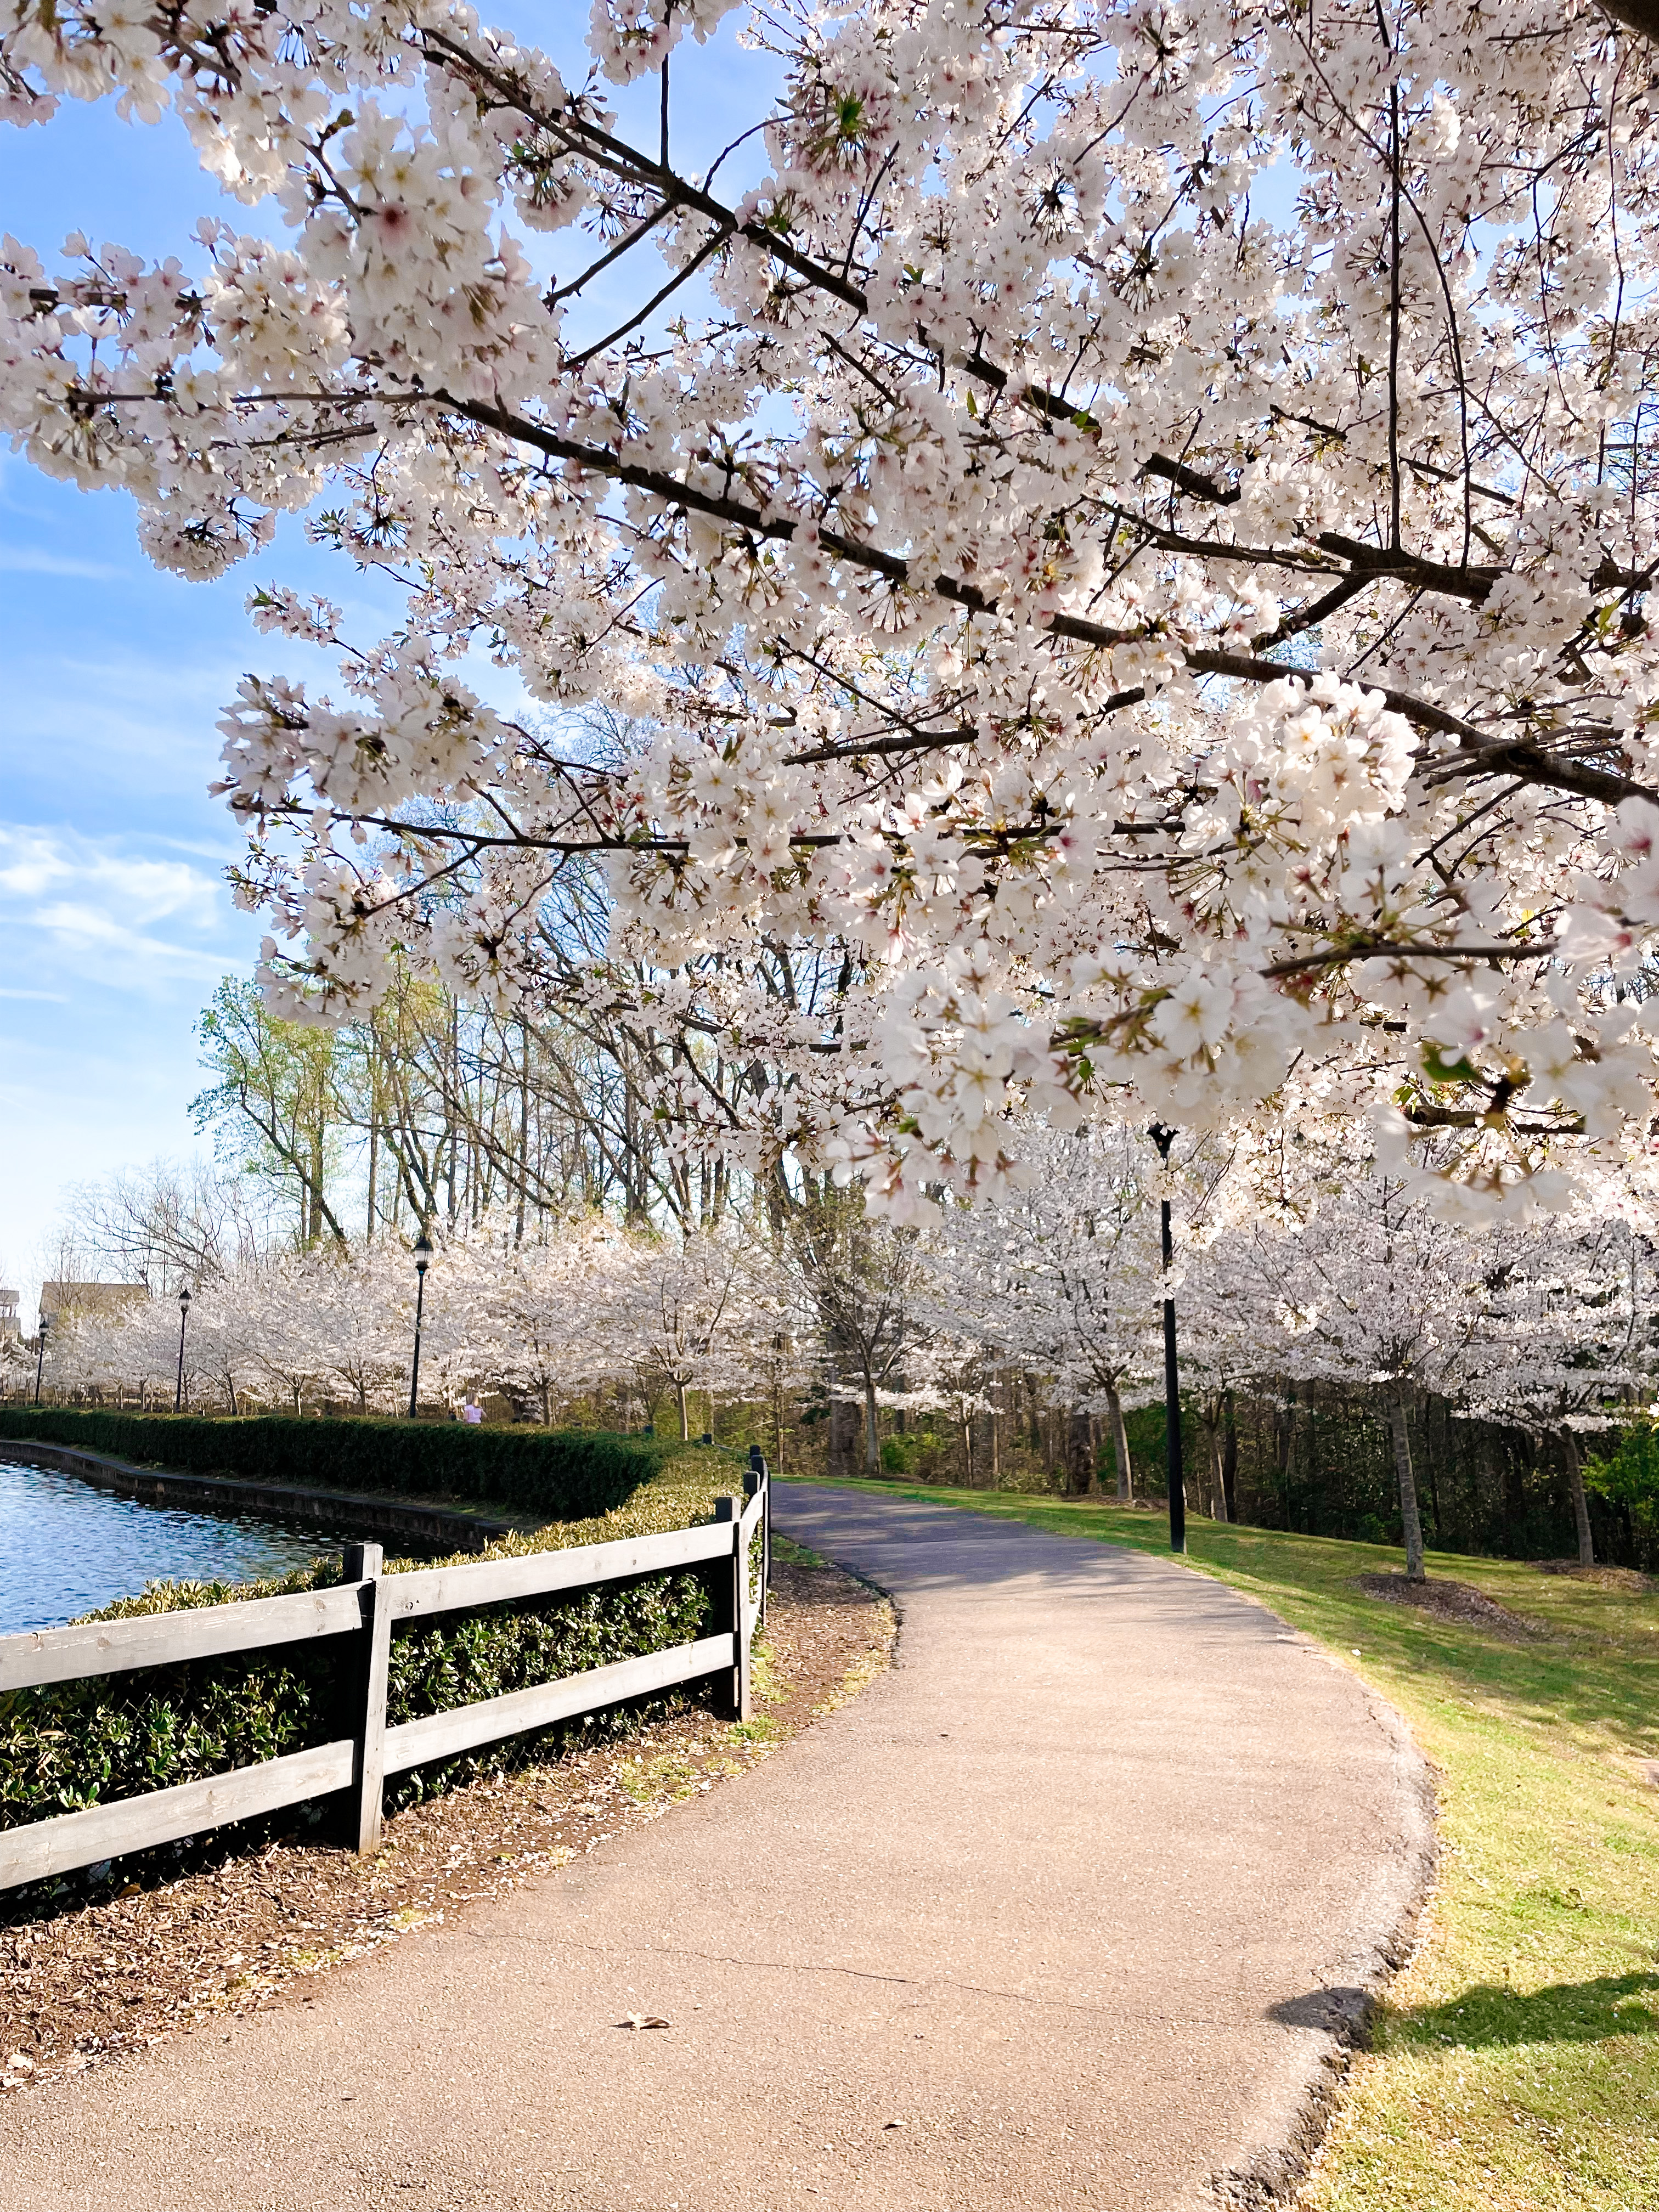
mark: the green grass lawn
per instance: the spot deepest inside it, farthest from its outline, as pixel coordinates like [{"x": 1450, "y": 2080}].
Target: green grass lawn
[{"x": 1514, "y": 2065}]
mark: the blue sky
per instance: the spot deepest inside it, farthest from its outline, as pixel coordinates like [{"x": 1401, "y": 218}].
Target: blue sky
[
  {"x": 113, "y": 916},
  {"x": 115, "y": 923}
]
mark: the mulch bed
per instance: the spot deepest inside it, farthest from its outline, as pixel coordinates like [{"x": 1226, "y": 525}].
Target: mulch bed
[
  {"x": 1625, "y": 1579},
  {"x": 178, "y": 1951},
  {"x": 1456, "y": 1601}
]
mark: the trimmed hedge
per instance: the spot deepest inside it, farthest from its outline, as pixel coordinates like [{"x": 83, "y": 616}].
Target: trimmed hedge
[
  {"x": 73, "y": 1744},
  {"x": 566, "y": 1473},
  {"x": 89, "y": 1742}
]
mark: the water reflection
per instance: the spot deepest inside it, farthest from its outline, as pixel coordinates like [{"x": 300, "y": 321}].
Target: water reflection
[{"x": 67, "y": 1547}]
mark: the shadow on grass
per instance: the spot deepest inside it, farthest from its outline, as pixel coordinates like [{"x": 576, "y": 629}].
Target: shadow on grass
[
  {"x": 1486, "y": 2015},
  {"x": 1565, "y": 2012}
]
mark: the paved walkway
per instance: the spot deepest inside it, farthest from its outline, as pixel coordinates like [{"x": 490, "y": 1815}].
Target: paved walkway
[{"x": 1051, "y": 1916}]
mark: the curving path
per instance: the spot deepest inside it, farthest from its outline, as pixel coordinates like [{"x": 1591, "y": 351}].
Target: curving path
[{"x": 1059, "y": 1912}]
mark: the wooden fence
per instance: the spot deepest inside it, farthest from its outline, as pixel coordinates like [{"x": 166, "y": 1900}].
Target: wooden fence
[{"x": 361, "y": 1612}]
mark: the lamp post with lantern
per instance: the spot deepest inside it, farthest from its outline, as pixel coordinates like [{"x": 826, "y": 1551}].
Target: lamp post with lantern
[
  {"x": 40, "y": 1351},
  {"x": 184, "y": 1316},
  {"x": 1164, "y": 1137},
  {"x": 422, "y": 1261}
]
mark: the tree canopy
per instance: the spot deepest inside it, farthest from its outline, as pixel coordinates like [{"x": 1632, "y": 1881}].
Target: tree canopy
[{"x": 1122, "y": 532}]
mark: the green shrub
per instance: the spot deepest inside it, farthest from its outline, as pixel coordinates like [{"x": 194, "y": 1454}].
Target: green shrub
[
  {"x": 1628, "y": 1478},
  {"x": 70, "y": 1745},
  {"x": 74, "y": 1744},
  {"x": 562, "y": 1473}
]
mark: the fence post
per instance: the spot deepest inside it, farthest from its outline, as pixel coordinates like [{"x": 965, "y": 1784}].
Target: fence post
[
  {"x": 760, "y": 1478},
  {"x": 729, "y": 1510},
  {"x": 362, "y": 1563}
]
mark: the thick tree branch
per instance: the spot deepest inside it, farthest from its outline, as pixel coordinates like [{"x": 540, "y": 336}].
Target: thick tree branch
[{"x": 1528, "y": 763}]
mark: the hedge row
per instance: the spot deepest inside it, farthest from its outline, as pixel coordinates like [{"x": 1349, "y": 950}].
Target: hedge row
[
  {"x": 566, "y": 1473},
  {"x": 74, "y": 1744}
]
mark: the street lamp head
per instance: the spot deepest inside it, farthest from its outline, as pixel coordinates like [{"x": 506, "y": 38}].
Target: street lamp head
[
  {"x": 184, "y": 1299},
  {"x": 424, "y": 1249}
]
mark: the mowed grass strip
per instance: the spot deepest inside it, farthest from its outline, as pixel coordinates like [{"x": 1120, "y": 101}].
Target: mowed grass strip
[{"x": 1514, "y": 2065}]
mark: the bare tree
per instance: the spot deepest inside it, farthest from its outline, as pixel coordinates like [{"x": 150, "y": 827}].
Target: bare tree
[
  {"x": 862, "y": 1279},
  {"x": 166, "y": 1225}
]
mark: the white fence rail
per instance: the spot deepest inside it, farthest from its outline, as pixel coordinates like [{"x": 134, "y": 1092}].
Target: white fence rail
[{"x": 361, "y": 1612}]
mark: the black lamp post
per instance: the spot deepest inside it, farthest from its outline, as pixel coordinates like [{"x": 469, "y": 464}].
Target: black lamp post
[
  {"x": 184, "y": 1316},
  {"x": 40, "y": 1354},
  {"x": 1163, "y": 1138},
  {"x": 422, "y": 1261}
]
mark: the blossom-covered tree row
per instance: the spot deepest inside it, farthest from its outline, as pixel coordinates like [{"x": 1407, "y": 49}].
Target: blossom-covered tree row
[
  {"x": 537, "y": 1323},
  {"x": 1361, "y": 1289},
  {"x": 1098, "y": 554}
]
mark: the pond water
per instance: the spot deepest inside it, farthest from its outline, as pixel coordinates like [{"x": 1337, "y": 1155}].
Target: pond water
[{"x": 67, "y": 1547}]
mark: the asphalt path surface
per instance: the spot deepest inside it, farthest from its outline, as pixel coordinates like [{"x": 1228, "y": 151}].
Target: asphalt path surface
[{"x": 1066, "y": 1909}]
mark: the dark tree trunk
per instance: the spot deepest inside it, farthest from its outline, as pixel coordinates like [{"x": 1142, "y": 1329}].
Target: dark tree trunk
[
  {"x": 1285, "y": 1441},
  {"x": 1230, "y": 1459},
  {"x": 1403, "y": 1467},
  {"x": 1580, "y": 1503},
  {"x": 844, "y": 1424},
  {"x": 1078, "y": 1456},
  {"x": 1125, "y": 1484}
]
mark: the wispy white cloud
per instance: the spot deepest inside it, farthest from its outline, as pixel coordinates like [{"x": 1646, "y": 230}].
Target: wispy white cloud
[
  {"x": 86, "y": 934},
  {"x": 94, "y": 910},
  {"x": 33, "y": 861},
  {"x": 48, "y": 998},
  {"x": 31, "y": 561}
]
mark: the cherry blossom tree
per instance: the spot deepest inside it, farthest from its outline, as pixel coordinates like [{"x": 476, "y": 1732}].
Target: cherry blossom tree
[
  {"x": 1064, "y": 1276},
  {"x": 287, "y": 1334},
  {"x": 1123, "y": 531},
  {"x": 16, "y": 1366},
  {"x": 354, "y": 1316},
  {"x": 700, "y": 1312},
  {"x": 548, "y": 1316},
  {"x": 1378, "y": 1289},
  {"x": 1568, "y": 1342},
  {"x": 1228, "y": 1346}
]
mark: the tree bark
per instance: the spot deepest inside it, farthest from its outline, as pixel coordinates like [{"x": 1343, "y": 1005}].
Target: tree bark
[
  {"x": 872, "y": 1434},
  {"x": 685, "y": 1414},
  {"x": 1402, "y": 1467},
  {"x": 1229, "y": 1461},
  {"x": 1580, "y": 1502},
  {"x": 1126, "y": 1480},
  {"x": 840, "y": 1452},
  {"x": 1218, "y": 1475},
  {"x": 1284, "y": 1442},
  {"x": 1641, "y": 16},
  {"x": 1078, "y": 1455}
]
